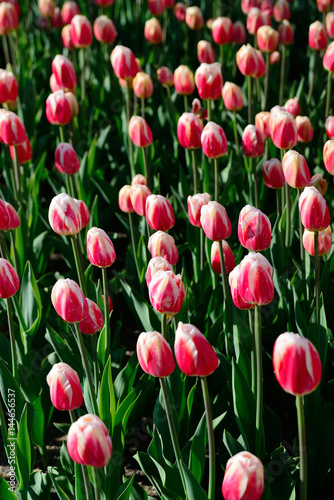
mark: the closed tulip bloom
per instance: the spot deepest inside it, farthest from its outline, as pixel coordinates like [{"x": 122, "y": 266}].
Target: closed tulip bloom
[
  {"x": 9, "y": 90},
  {"x": 180, "y": 11},
  {"x": 198, "y": 110},
  {"x": 247, "y": 60},
  {"x": 209, "y": 81},
  {"x": 23, "y": 151},
  {"x": 156, "y": 7},
  {"x": 161, "y": 244},
  {"x": 267, "y": 39},
  {"x": 254, "y": 20},
  {"x": 295, "y": 169},
  {"x": 239, "y": 33},
  {"x": 66, "y": 159},
  {"x": 189, "y": 130},
  {"x": 66, "y": 37},
  {"x": 252, "y": 142},
  {"x": 100, "y": 249},
  {"x": 64, "y": 72},
  {"x": 153, "y": 31},
  {"x": 46, "y": 8},
  {"x": 214, "y": 142},
  {"x": 329, "y": 23},
  {"x": 243, "y": 478},
  {"x": 156, "y": 264},
  {"x": 57, "y": 20},
  {"x": 262, "y": 123},
  {"x": 9, "y": 20},
  {"x": 169, "y": 4},
  {"x": 273, "y": 175},
  {"x": 304, "y": 129},
  {"x": 267, "y": 7},
  {"x": 281, "y": 11},
  {"x": 124, "y": 199},
  {"x": 124, "y": 62},
  {"x": 229, "y": 260},
  {"x": 247, "y": 5},
  {"x": 325, "y": 5},
  {"x": 9, "y": 218},
  {"x": 67, "y": 216},
  {"x": 159, "y": 213},
  {"x": 69, "y": 10},
  {"x": 88, "y": 442},
  {"x": 329, "y": 126},
  {"x": 81, "y": 32},
  {"x": 139, "y": 179},
  {"x": 297, "y": 364},
  {"x": 261, "y": 65},
  {"x": 139, "y": 131},
  {"x": 320, "y": 183},
  {"x": 317, "y": 38},
  {"x": 284, "y": 130},
  {"x": 58, "y": 108},
  {"x": 65, "y": 388},
  {"x": 104, "y": 30},
  {"x": 215, "y": 221},
  {"x": 195, "y": 204},
  {"x": 232, "y": 96},
  {"x": 222, "y": 30},
  {"x": 272, "y": 114},
  {"x": 138, "y": 195},
  {"x": 9, "y": 280},
  {"x": 193, "y": 353},
  {"x": 165, "y": 76},
  {"x": 254, "y": 229},
  {"x": 155, "y": 355},
  {"x": 142, "y": 85},
  {"x": 93, "y": 323},
  {"x": 292, "y": 106},
  {"x": 328, "y": 60},
  {"x": 69, "y": 301},
  {"x": 184, "y": 80},
  {"x": 328, "y": 156},
  {"x": 314, "y": 213},
  {"x": 194, "y": 18},
  {"x": 233, "y": 281},
  {"x": 205, "y": 52},
  {"x": 73, "y": 103},
  {"x": 286, "y": 33},
  {"x": 12, "y": 130},
  {"x": 255, "y": 280},
  {"x": 274, "y": 58},
  {"x": 166, "y": 292},
  {"x": 104, "y": 3},
  {"x": 324, "y": 241}
]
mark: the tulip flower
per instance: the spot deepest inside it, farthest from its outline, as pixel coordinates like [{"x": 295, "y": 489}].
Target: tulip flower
[
  {"x": 156, "y": 7},
  {"x": 66, "y": 159},
  {"x": 243, "y": 478},
  {"x": 286, "y": 33},
  {"x": 273, "y": 175},
  {"x": 222, "y": 34},
  {"x": 139, "y": 131},
  {"x": 124, "y": 199},
  {"x": 153, "y": 31},
  {"x": 262, "y": 123},
  {"x": 161, "y": 244},
  {"x": 94, "y": 321},
  {"x": 8, "y": 87},
  {"x": 209, "y": 81},
  {"x": 64, "y": 73},
  {"x": 255, "y": 19},
  {"x": 143, "y": 88},
  {"x": 180, "y": 11},
  {"x": 329, "y": 23},
  {"x": 165, "y": 77},
  {"x": 317, "y": 40},
  {"x": 67, "y": 216},
  {"x": 239, "y": 33},
  {"x": 159, "y": 213},
  {"x": 229, "y": 260},
  {"x": 139, "y": 179},
  {"x": 328, "y": 156},
  {"x": 166, "y": 292},
  {"x": 156, "y": 264},
  {"x": 189, "y": 130},
  {"x": 65, "y": 388},
  {"x": 293, "y": 106},
  {"x": 184, "y": 81},
  {"x": 12, "y": 130},
  {"x": 253, "y": 147},
  {"x": 81, "y": 32},
  {"x": 320, "y": 183},
  {"x": 194, "y": 18},
  {"x": 205, "y": 52},
  {"x": 247, "y": 5},
  {"x": 281, "y": 11},
  {"x": 214, "y": 144},
  {"x": 58, "y": 108},
  {"x": 124, "y": 63},
  {"x": 248, "y": 63},
  {"x": 313, "y": 208},
  {"x": 69, "y": 301},
  {"x": 9, "y": 218},
  {"x": 215, "y": 221},
  {"x": 295, "y": 169},
  {"x": 100, "y": 250},
  {"x": 138, "y": 195},
  {"x": 104, "y": 30},
  {"x": 69, "y": 10},
  {"x": 155, "y": 355},
  {"x": 254, "y": 229},
  {"x": 232, "y": 97},
  {"x": 304, "y": 129},
  {"x": 324, "y": 241},
  {"x": 233, "y": 281}
]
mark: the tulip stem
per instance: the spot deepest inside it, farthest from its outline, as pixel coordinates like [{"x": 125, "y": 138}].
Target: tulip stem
[
  {"x": 216, "y": 167},
  {"x": 329, "y": 94},
  {"x": 147, "y": 171},
  {"x": 18, "y": 176},
  {"x": 222, "y": 268},
  {"x": 211, "y": 439},
  {"x": 253, "y": 357},
  {"x": 301, "y": 247},
  {"x": 87, "y": 368},
  {"x": 317, "y": 277},
  {"x": 106, "y": 314},
  {"x": 78, "y": 264},
  {"x": 302, "y": 447},
  {"x": 12, "y": 241},
  {"x": 315, "y": 64},
  {"x": 266, "y": 82},
  {"x": 221, "y": 56},
  {"x": 83, "y": 84},
  {"x": 85, "y": 476},
  {"x": 201, "y": 250},
  {"x": 142, "y": 107},
  {"x": 133, "y": 244},
  {"x": 259, "y": 380},
  {"x": 287, "y": 215},
  {"x": 5, "y": 49},
  {"x": 172, "y": 430},
  {"x": 96, "y": 484},
  {"x": 164, "y": 327},
  {"x": 281, "y": 85},
  {"x": 236, "y": 137},
  {"x": 278, "y": 203},
  {"x": 3, "y": 246},
  {"x": 209, "y": 110},
  {"x": 195, "y": 174},
  {"x": 252, "y": 169},
  {"x": 12, "y": 339},
  {"x": 250, "y": 110},
  {"x": 128, "y": 116},
  {"x": 61, "y": 133}
]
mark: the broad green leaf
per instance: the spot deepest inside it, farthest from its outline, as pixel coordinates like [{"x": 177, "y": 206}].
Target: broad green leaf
[
  {"x": 107, "y": 402},
  {"x": 125, "y": 490},
  {"x": 8, "y": 386},
  {"x": 231, "y": 444},
  {"x": 61, "y": 494},
  {"x": 194, "y": 489},
  {"x": 5, "y": 492},
  {"x": 30, "y": 300},
  {"x": 23, "y": 451}
]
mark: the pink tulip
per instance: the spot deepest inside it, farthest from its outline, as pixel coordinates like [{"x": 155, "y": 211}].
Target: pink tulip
[
  {"x": 195, "y": 204},
  {"x": 314, "y": 213},
  {"x": 9, "y": 280},
  {"x": 317, "y": 37},
  {"x": 66, "y": 159},
  {"x": 104, "y": 30},
  {"x": 64, "y": 73},
  {"x": 139, "y": 131},
  {"x": 194, "y": 18},
  {"x": 9, "y": 20},
  {"x": 255, "y": 280},
  {"x": 229, "y": 260},
  {"x": 222, "y": 30},
  {"x": 155, "y": 355},
  {"x": 252, "y": 142},
  {"x": 9, "y": 89},
  {"x": 239, "y": 33},
  {"x": 213, "y": 139},
  {"x": 215, "y": 221},
  {"x": 65, "y": 388},
  {"x": 166, "y": 292},
  {"x": 142, "y": 85},
  {"x": 124, "y": 62},
  {"x": 165, "y": 76},
  {"x": 94, "y": 321},
  {"x": 69, "y": 301},
  {"x": 292, "y": 106},
  {"x": 67, "y": 216},
  {"x": 138, "y": 195},
  {"x": 139, "y": 179},
  {"x": 124, "y": 199},
  {"x": 329, "y": 23},
  {"x": 232, "y": 97},
  {"x": 9, "y": 218},
  {"x": 161, "y": 244},
  {"x": 247, "y": 60},
  {"x": 233, "y": 281},
  {"x": 184, "y": 80},
  {"x": 283, "y": 130},
  {"x": 205, "y": 52},
  {"x": 12, "y": 130},
  {"x": 295, "y": 169},
  {"x": 286, "y": 33},
  {"x": 81, "y": 32},
  {"x": 247, "y": 5},
  {"x": 243, "y": 478},
  {"x": 281, "y": 11},
  {"x": 159, "y": 213},
  {"x": 273, "y": 175},
  {"x": 189, "y": 130},
  {"x": 209, "y": 81},
  {"x": 58, "y": 108},
  {"x": 156, "y": 264},
  {"x": 304, "y": 129},
  {"x": 69, "y": 10},
  {"x": 254, "y": 229},
  {"x": 153, "y": 31},
  {"x": 324, "y": 241},
  {"x": 320, "y": 183},
  {"x": 100, "y": 250},
  {"x": 328, "y": 156}
]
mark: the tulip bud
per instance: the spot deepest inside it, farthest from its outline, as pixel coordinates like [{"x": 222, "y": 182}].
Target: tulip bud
[
  {"x": 325, "y": 5},
  {"x": 169, "y": 4},
  {"x": 65, "y": 388},
  {"x": 165, "y": 76},
  {"x": 297, "y": 364},
  {"x": 284, "y": 130},
  {"x": 9, "y": 218},
  {"x": 267, "y": 7},
  {"x": 328, "y": 60},
  {"x": 81, "y": 32},
  {"x": 104, "y": 30},
  {"x": 205, "y": 52},
  {"x": 239, "y": 34},
  {"x": 314, "y": 213},
  {"x": 274, "y": 58},
  {"x": 232, "y": 97},
  {"x": 261, "y": 65},
  {"x": 153, "y": 31},
  {"x": 58, "y": 108},
  {"x": 286, "y": 33},
  {"x": 94, "y": 321},
  {"x": 156, "y": 264},
  {"x": 272, "y": 114},
  {"x": 139, "y": 131},
  {"x": 229, "y": 260},
  {"x": 66, "y": 38},
  {"x": 159, "y": 213},
  {"x": 67, "y": 216},
  {"x": 222, "y": 30},
  {"x": 195, "y": 204},
  {"x": 88, "y": 442},
  {"x": 9, "y": 280},
  {"x": 267, "y": 39},
  {"x": 324, "y": 241},
  {"x": 9, "y": 90},
  {"x": 161, "y": 244},
  {"x": 255, "y": 20},
  {"x": 198, "y": 110},
  {"x": 184, "y": 80},
  {"x": 46, "y": 8},
  {"x": 189, "y": 130},
  {"x": 319, "y": 183},
  {"x": 247, "y": 60},
  {"x": 328, "y": 156},
  {"x": 124, "y": 62},
  {"x": 166, "y": 292},
  {"x": 66, "y": 159},
  {"x": 194, "y": 18},
  {"x": 180, "y": 11},
  {"x": 104, "y": 3},
  {"x": 281, "y": 11},
  {"x": 100, "y": 250},
  {"x": 64, "y": 73},
  {"x": 273, "y": 175},
  {"x": 69, "y": 301},
  {"x": 215, "y": 221},
  {"x": 193, "y": 353},
  {"x": 209, "y": 81},
  {"x": 295, "y": 169},
  {"x": 293, "y": 106},
  {"x": 262, "y": 123},
  {"x": 304, "y": 129},
  {"x": 255, "y": 280},
  {"x": 124, "y": 199},
  {"x": 247, "y": 5},
  {"x": 252, "y": 142},
  {"x": 138, "y": 195},
  {"x": 69, "y": 10},
  {"x": 110, "y": 304},
  {"x": 243, "y": 478},
  {"x": 329, "y": 23},
  {"x": 214, "y": 142},
  {"x": 142, "y": 85},
  {"x": 12, "y": 130},
  {"x": 254, "y": 229},
  {"x": 317, "y": 38},
  {"x": 57, "y": 20},
  {"x": 155, "y": 355},
  {"x": 329, "y": 126},
  {"x": 237, "y": 300},
  {"x": 9, "y": 20},
  {"x": 156, "y": 7}
]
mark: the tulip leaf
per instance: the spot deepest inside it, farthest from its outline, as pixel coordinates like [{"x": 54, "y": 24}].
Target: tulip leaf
[
  {"x": 30, "y": 300},
  {"x": 8, "y": 386},
  {"x": 63, "y": 351},
  {"x": 23, "y": 451},
  {"x": 107, "y": 402},
  {"x": 5, "y": 492},
  {"x": 194, "y": 489},
  {"x": 125, "y": 490},
  {"x": 125, "y": 379},
  {"x": 232, "y": 445},
  {"x": 318, "y": 334},
  {"x": 61, "y": 493}
]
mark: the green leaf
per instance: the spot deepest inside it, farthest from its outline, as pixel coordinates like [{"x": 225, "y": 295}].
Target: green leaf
[
  {"x": 5, "y": 492},
  {"x": 107, "y": 402},
  {"x": 8, "y": 385},
  {"x": 197, "y": 456},
  {"x": 125, "y": 379},
  {"x": 141, "y": 309},
  {"x": 40, "y": 485},
  {"x": 232, "y": 445},
  {"x": 61, "y": 494},
  {"x": 125, "y": 490},
  {"x": 23, "y": 451},
  {"x": 30, "y": 300},
  {"x": 194, "y": 489}
]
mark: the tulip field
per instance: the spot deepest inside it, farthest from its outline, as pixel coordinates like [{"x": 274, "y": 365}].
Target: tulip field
[{"x": 166, "y": 268}]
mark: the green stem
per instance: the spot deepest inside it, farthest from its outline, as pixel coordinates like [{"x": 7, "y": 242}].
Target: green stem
[
  {"x": 96, "y": 484},
  {"x": 87, "y": 368},
  {"x": 253, "y": 357},
  {"x": 185, "y": 102},
  {"x": 301, "y": 246},
  {"x": 133, "y": 244},
  {"x": 211, "y": 438},
  {"x": 266, "y": 82},
  {"x": 250, "y": 111},
  {"x": 16, "y": 262},
  {"x": 83, "y": 84},
  {"x": 61, "y": 133},
  {"x": 142, "y": 102},
  {"x": 221, "y": 56},
  {"x": 209, "y": 110},
  {"x": 278, "y": 203},
  {"x": 287, "y": 215},
  {"x": 316, "y": 57},
  {"x": 12, "y": 339},
  {"x": 282, "y": 77},
  {"x": 84, "y": 470},
  {"x": 18, "y": 176},
  {"x": 128, "y": 116},
  {"x": 164, "y": 329},
  {"x": 5, "y": 49},
  {"x": 222, "y": 267},
  {"x": 195, "y": 174},
  {"x": 172, "y": 431},
  {"x": 3, "y": 246},
  {"x": 252, "y": 169},
  {"x": 201, "y": 251},
  {"x": 302, "y": 447},
  {"x": 78, "y": 264},
  {"x": 259, "y": 380},
  {"x": 147, "y": 171},
  {"x": 317, "y": 277},
  {"x": 329, "y": 95},
  {"x": 216, "y": 167},
  {"x": 106, "y": 314},
  {"x": 236, "y": 137}
]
